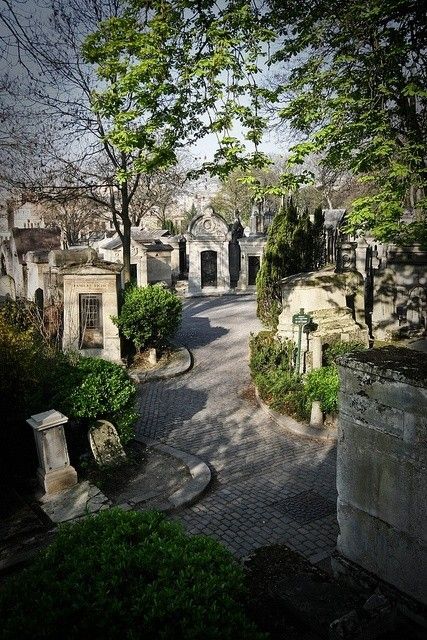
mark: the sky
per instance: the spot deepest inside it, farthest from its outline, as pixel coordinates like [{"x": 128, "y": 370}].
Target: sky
[{"x": 36, "y": 10}]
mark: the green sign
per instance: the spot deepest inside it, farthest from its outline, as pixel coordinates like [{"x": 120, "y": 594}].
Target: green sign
[{"x": 301, "y": 318}]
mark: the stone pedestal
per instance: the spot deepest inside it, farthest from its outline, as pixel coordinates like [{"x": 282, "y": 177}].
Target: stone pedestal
[{"x": 55, "y": 473}]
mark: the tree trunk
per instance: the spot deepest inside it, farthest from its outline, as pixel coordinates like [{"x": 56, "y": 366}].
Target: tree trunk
[
  {"x": 126, "y": 231},
  {"x": 126, "y": 249}
]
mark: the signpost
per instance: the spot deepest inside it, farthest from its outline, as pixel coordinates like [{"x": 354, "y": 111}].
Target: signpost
[{"x": 301, "y": 319}]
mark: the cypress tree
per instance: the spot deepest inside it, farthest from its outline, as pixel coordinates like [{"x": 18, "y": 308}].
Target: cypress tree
[{"x": 291, "y": 248}]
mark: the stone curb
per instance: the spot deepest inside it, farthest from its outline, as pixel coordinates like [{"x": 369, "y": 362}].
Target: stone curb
[
  {"x": 183, "y": 363},
  {"x": 298, "y": 428},
  {"x": 199, "y": 471}
]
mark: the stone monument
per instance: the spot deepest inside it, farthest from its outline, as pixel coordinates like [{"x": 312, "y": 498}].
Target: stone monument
[{"x": 55, "y": 473}]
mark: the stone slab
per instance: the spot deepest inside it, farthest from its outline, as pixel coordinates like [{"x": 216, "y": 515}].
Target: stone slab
[
  {"x": 79, "y": 501},
  {"x": 199, "y": 472}
]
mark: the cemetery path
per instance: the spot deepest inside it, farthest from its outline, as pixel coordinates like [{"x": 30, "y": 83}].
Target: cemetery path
[{"x": 269, "y": 486}]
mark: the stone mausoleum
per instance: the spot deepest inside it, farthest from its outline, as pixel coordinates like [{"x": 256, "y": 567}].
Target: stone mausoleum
[
  {"x": 90, "y": 300},
  {"x": 223, "y": 258}
]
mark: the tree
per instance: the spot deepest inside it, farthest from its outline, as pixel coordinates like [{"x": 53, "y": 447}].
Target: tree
[
  {"x": 292, "y": 247},
  {"x": 236, "y": 192},
  {"x": 355, "y": 91},
  {"x": 164, "y": 73},
  {"x": 77, "y": 218}
]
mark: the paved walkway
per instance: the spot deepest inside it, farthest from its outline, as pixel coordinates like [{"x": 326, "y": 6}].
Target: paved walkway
[{"x": 269, "y": 487}]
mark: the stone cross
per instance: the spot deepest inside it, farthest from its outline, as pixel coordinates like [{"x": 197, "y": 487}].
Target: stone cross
[{"x": 55, "y": 474}]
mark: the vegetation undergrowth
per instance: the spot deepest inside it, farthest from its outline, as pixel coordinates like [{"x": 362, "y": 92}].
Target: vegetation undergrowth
[
  {"x": 272, "y": 364},
  {"x": 127, "y": 575},
  {"x": 35, "y": 377}
]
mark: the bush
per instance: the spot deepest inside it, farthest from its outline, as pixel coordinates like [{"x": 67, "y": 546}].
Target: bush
[
  {"x": 323, "y": 385},
  {"x": 35, "y": 378},
  {"x": 92, "y": 388},
  {"x": 267, "y": 352},
  {"x": 149, "y": 316},
  {"x": 339, "y": 348},
  {"x": 127, "y": 575},
  {"x": 282, "y": 390}
]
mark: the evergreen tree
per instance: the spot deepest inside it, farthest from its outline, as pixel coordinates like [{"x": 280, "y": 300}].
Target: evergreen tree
[{"x": 292, "y": 247}]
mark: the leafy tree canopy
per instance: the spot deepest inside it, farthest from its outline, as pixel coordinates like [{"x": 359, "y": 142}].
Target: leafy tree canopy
[{"x": 354, "y": 88}]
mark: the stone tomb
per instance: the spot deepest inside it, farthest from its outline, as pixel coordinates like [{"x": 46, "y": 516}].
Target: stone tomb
[
  {"x": 90, "y": 299},
  {"x": 252, "y": 249},
  {"x": 208, "y": 254},
  {"x": 335, "y": 303},
  {"x": 105, "y": 443}
]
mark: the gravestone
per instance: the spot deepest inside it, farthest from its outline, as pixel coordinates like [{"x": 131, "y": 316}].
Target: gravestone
[{"x": 105, "y": 444}]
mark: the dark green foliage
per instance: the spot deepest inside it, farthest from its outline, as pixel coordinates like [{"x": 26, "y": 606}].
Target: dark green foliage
[
  {"x": 127, "y": 575},
  {"x": 92, "y": 388},
  {"x": 282, "y": 390},
  {"x": 149, "y": 316},
  {"x": 272, "y": 369},
  {"x": 35, "y": 378},
  {"x": 266, "y": 352},
  {"x": 291, "y": 248}
]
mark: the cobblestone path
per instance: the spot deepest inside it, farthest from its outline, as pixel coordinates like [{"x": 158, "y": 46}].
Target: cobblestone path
[{"x": 269, "y": 486}]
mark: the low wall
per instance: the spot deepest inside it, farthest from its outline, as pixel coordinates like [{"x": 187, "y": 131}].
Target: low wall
[{"x": 381, "y": 466}]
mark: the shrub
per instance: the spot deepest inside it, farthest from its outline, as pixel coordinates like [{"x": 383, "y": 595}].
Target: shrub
[
  {"x": 127, "y": 575},
  {"x": 282, "y": 390},
  {"x": 149, "y": 316},
  {"x": 323, "y": 385},
  {"x": 267, "y": 352},
  {"x": 92, "y": 388},
  {"x": 339, "y": 348}
]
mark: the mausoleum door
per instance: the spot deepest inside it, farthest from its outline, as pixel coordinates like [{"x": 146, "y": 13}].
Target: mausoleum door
[
  {"x": 253, "y": 268},
  {"x": 209, "y": 268}
]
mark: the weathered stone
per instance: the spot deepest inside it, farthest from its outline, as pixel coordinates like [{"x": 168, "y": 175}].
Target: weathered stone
[
  {"x": 55, "y": 474},
  {"x": 105, "y": 443},
  {"x": 77, "y": 502},
  {"x": 208, "y": 254},
  {"x": 381, "y": 466},
  {"x": 346, "y": 628},
  {"x": 152, "y": 356},
  {"x": 92, "y": 333},
  {"x": 316, "y": 417}
]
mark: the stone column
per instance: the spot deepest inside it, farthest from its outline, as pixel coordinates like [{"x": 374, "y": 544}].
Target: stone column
[
  {"x": 55, "y": 474},
  {"x": 316, "y": 350}
]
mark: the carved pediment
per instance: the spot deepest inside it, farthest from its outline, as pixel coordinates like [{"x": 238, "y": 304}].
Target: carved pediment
[{"x": 209, "y": 225}]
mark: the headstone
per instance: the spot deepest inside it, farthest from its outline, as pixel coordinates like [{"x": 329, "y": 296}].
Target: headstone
[
  {"x": 105, "y": 443},
  {"x": 55, "y": 473}
]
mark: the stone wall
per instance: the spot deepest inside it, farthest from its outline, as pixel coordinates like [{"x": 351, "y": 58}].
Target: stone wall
[{"x": 381, "y": 466}]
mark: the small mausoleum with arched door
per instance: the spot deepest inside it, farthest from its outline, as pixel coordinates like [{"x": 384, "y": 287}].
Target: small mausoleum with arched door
[{"x": 208, "y": 254}]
